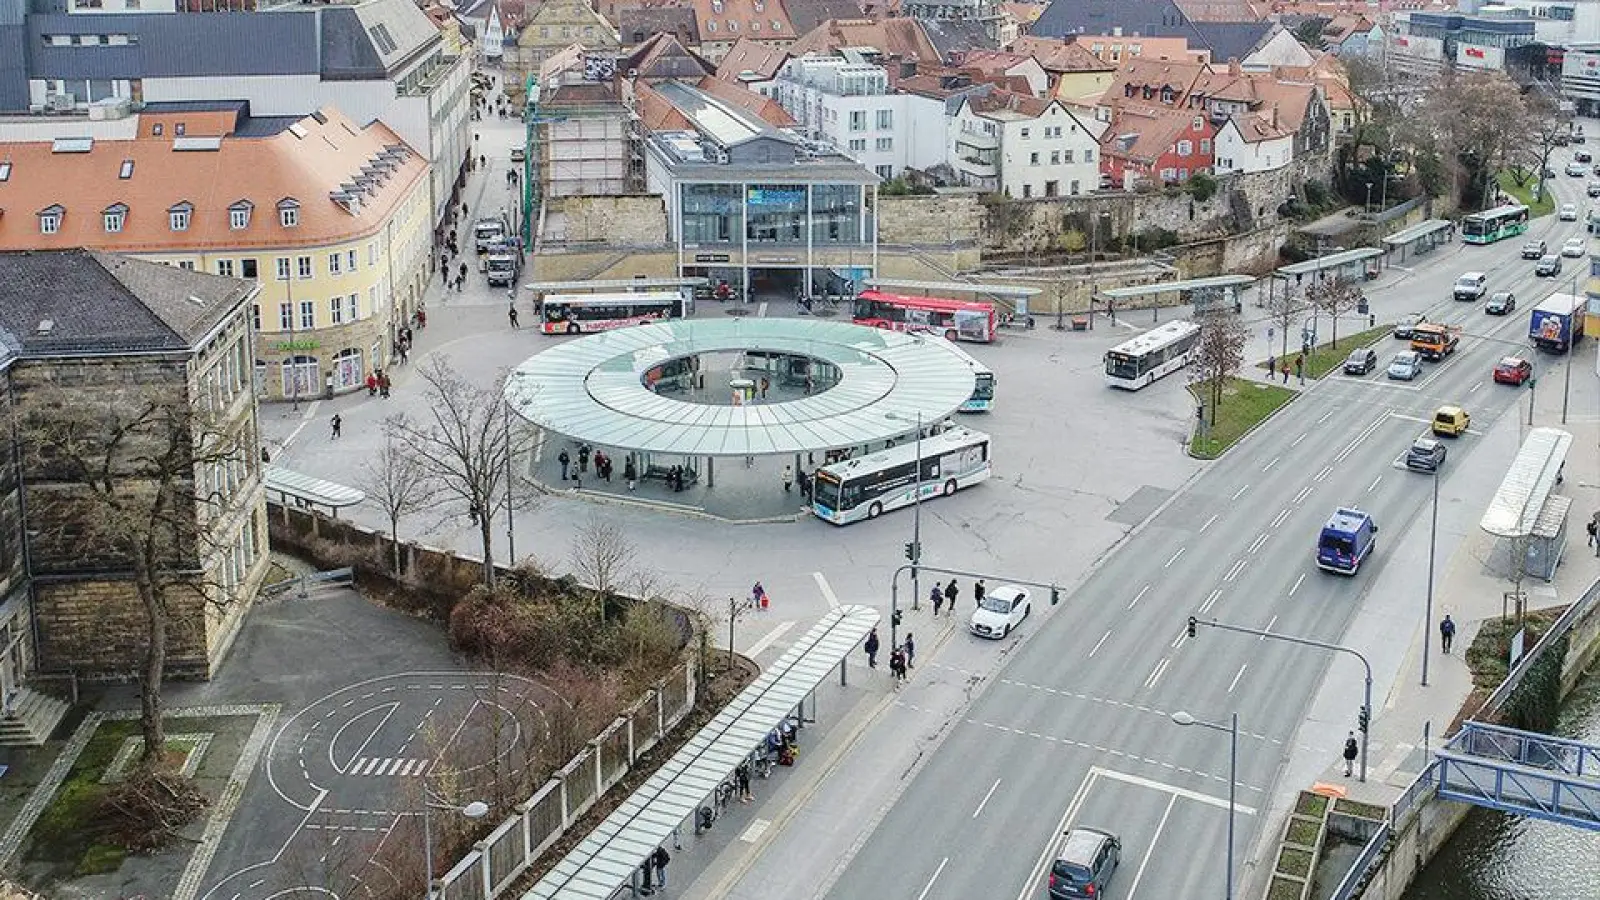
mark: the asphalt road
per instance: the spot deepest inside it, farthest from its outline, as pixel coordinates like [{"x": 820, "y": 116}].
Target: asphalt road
[{"x": 1076, "y": 726}]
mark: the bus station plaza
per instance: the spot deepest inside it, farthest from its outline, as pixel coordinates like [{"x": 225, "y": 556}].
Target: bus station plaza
[{"x": 729, "y": 404}]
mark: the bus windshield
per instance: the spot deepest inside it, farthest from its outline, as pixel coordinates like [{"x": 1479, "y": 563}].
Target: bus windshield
[
  {"x": 983, "y": 388},
  {"x": 1121, "y": 365}
]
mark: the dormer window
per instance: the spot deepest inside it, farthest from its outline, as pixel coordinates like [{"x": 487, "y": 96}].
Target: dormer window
[
  {"x": 288, "y": 212},
  {"x": 50, "y": 218},
  {"x": 711, "y": 26},
  {"x": 126, "y": 171},
  {"x": 115, "y": 216},
  {"x": 5, "y": 171},
  {"x": 733, "y": 25},
  {"x": 239, "y": 215},
  {"x": 155, "y": 130},
  {"x": 1166, "y": 95},
  {"x": 178, "y": 216}
]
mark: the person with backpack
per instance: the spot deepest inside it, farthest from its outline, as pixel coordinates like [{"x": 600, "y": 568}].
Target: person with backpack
[
  {"x": 658, "y": 861},
  {"x": 1351, "y": 750},
  {"x": 950, "y": 592},
  {"x": 871, "y": 646},
  {"x": 1447, "y": 632},
  {"x": 897, "y": 666}
]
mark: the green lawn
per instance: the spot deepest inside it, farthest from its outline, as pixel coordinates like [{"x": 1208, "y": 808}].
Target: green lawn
[
  {"x": 1524, "y": 195},
  {"x": 1326, "y": 358},
  {"x": 1244, "y": 405}
]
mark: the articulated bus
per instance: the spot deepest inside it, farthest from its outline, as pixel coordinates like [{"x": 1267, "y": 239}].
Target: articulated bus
[
  {"x": 866, "y": 487},
  {"x": 575, "y": 313},
  {"x": 957, "y": 320},
  {"x": 982, "y": 399},
  {"x": 1158, "y": 352},
  {"x": 1495, "y": 224}
]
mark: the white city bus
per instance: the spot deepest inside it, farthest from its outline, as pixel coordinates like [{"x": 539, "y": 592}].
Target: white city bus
[
  {"x": 982, "y": 399},
  {"x": 865, "y": 487},
  {"x": 1159, "y": 351},
  {"x": 575, "y": 313}
]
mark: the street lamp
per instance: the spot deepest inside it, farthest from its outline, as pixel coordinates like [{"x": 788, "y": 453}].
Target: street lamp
[
  {"x": 1232, "y": 729},
  {"x": 1433, "y": 542},
  {"x": 913, "y": 549},
  {"x": 477, "y": 809},
  {"x": 1368, "y": 206}
]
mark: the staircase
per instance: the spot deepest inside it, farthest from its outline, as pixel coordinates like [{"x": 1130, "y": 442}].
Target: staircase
[
  {"x": 32, "y": 718},
  {"x": 1240, "y": 205}
]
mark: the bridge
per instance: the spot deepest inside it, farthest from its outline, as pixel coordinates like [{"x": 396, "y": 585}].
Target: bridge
[{"x": 1536, "y": 775}]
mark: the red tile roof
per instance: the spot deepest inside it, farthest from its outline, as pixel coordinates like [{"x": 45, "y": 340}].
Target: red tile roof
[
  {"x": 902, "y": 38},
  {"x": 1060, "y": 56}
]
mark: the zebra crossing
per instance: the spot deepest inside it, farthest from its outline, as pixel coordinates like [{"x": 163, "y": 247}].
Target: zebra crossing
[{"x": 378, "y": 766}]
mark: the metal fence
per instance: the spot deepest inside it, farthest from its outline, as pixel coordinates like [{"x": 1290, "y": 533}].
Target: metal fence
[
  {"x": 1575, "y": 612},
  {"x": 1416, "y": 794},
  {"x": 496, "y": 862},
  {"x": 1356, "y": 878}
]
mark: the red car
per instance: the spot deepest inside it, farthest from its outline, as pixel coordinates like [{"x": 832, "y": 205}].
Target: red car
[{"x": 1512, "y": 370}]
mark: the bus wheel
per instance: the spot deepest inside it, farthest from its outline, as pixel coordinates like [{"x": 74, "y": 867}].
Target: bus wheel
[
  {"x": 875, "y": 510},
  {"x": 572, "y": 328},
  {"x": 950, "y": 335},
  {"x": 949, "y": 487}
]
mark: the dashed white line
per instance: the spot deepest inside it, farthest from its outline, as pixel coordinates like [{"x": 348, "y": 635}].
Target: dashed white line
[
  {"x": 1475, "y": 387},
  {"x": 1174, "y": 558},
  {"x": 1155, "y": 676},
  {"x": 985, "y": 801},
  {"x": 1326, "y": 471},
  {"x": 1269, "y": 465},
  {"x": 1233, "y": 573},
  {"x": 1371, "y": 487},
  {"x": 1237, "y": 675},
  {"x": 929, "y": 887},
  {"x": 1139, "y": 596},
  {"x": 1278, "y": 520},
  {"x": 1297, "y": 440},
  {"x": 1207, "y": 524},
  {"x": 1098, "y": 643},
  {"x": 1260, "y": 539},
  {"x": 1145, "y": 862},
  {"x": 1206, "y": 606},
  {"x": 1274, "y": 620},
  {"x": 1291, "y": 591},
  {"x": 1304, "y": 492},
  {"x": 1183, "y": 635},
  {"x": 1325, "y": 416},
  {"x": 1240, "y": 492}
]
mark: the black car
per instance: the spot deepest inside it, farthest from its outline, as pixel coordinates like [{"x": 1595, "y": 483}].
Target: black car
[
  {"x": 1501, "y": 303},
  {"x": 1084, "y": 865},
  {"x": 1361, "y": 361},
  {"x": 1403, "y": 328},
  {"x": 1426, "y": 455},
  {"x": 1582, "y": 156},
  {"x": 1549, "y": 265}
]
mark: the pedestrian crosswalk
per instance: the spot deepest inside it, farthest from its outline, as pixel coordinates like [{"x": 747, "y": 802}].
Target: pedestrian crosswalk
[{"x": 374, "y": 766}]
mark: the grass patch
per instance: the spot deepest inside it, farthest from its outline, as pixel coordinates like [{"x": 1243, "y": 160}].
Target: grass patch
[
  {"x": 1244, "y": 405},
  {"x": 99, "y": 859},
  {"x": 1491, "y": 648},
  {"x": 1524, "y": 195},
  {"x": 1328, "y": 357},
  {"x": 1295, "y": 862},
  {"x": 1285, "y": 889},
  {"x": 1303, "y": 832},
  {"x": 1361, "y": 810},
  {"x": 62, "y": 832},
  {"x": 1309, "y": 804}
]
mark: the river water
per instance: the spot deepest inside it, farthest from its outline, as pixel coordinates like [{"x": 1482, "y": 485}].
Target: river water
[{"x": 1495, "y": 856}]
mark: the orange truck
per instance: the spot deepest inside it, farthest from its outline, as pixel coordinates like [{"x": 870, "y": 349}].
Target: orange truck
[{"x": 1434, "y": 342}]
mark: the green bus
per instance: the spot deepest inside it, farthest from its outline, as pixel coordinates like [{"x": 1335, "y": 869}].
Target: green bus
[{"x": 1495, "y": 224}]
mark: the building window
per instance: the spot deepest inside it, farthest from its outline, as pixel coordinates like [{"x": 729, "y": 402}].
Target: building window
[
  {"x": 126, "y": 171},
  {"x": 247, "y": 268},
  {"x": 49, "y": 223},
  {"x": 186, "y": 264},
  {"x": 884, "y": 172},
  {"x": 255, "y": 315},
  {"x": 303, "y": 265},
  {"x": 1024, "y": 134},
  {"x": 289, "y": 216},
  {"x": 885, "y": 119},
  {"x": 1051, "y": 188},
  {"x": 712, "y": 213},
  {"x": 1205, "y": 146},
  {"x": 155, "y": 130},
  {"x": 1075, "y": 190},
  {"x": 308, "y": 314},
  {"x": 1055, "y": 157},
  {"x": 1185, "y": 148},
  {"x": 347, "y": 369},
  {"x": 858, "y": 120},
  {"x": 225, "y": 268},
  {"x": 1068, "y": 156},
  {"x": 336, "y": 311},
  {"x": 352, "y": 305},
  {"x": 1033, "y": 158},
  {"x": 114, "y": 219},
  {"x": 372, "y": 302},
  {"x": 239, "y": 216},
  {"x": 178, "y": 218},
  {"x": 350, "y": 261},
  {"x": 372, "y": 253},
  {"x": 884, "y": 145},
  {"x": 334, "y": 263},
  {"x": 835, "y": 213},
  {"x": 1027, "y": 191},
  {"x": 285, "y": 317},
  {"x": 858, "y": 145},
  {"x": 1088, "y": 154},
  {"x": 282, "y": 266},
  {"x": 775, "y": 213}
]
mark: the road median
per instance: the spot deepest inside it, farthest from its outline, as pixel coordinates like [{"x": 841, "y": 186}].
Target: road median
[{"x": 1245, "y": 405}]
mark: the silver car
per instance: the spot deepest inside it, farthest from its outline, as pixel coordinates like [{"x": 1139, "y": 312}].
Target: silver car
[{"x": 1405, "y": 366}]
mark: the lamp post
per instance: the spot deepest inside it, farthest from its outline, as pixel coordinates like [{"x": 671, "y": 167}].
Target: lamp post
[
  {"x": 1367, "y": 207},
  {"x": 477, "y": 809},
  {"x": 913, "y": 549},
  {"x": 1232, "y": 730},
  {"x": 1566, "y": 388},
  {"x": 1433, "y": 543}
]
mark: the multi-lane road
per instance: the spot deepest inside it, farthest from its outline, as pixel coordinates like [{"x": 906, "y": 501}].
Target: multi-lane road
[{"x": 1076, "y": 728}]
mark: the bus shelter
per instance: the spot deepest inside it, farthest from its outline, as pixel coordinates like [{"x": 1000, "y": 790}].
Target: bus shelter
[
  {"x": 1207, "y": 294},
  {"x": 1015, "y": 294},
  {"x": 308, "y": 492},
  {"x": 1525, "y": 512},
  {"x": 1419, "y": 239}
]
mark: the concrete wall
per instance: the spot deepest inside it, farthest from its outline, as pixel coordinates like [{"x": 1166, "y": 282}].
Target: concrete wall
[
  {"x": 930, "y": 220},
  {"x": 634, "y": 220}
]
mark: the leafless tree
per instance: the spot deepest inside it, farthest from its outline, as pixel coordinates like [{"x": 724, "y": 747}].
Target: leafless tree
[
  {"x": 465, "y": 444},
  {"x": 1219, "y": 354},
  {"x": 1544, "y": 123},
  {"x": 1484, "y": 117},
  {"x": 1285, "y": 309},
  {"x": 1334, "y": 297},
  {"x": 398, "y": 483},
  {"x": 141, "y": 473},
  {"x": 600, "y": 558}
]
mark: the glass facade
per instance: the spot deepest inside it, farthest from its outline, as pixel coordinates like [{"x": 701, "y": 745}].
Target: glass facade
[
  {"x": 711, "y": 214},
  {"x": 772, "y": 214},
  {"x": 777, "y": 213},
  {"x": 835, "y": 214}
]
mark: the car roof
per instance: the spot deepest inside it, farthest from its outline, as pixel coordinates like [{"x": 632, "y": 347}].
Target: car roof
[
  {"x": 1426, "y": 442},
  {"x": 1362, "y": 352},
  {"x": 1081, "y": 844},
  {"x": 1008, "y": 590},
  {"x": 1449, "y": 410},
  {"x": 1512, "y": 361},
  {"x": 1498, "y": 294},
  {"x": 1465, "y": 275},
  {"x": 1405, "y": 354}
]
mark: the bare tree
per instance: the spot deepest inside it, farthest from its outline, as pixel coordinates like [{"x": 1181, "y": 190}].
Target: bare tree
[
  {"x": 1544, "y": 123},
  {"x": 1335, "y": 297},
  {"x": 398, "y": 483},
  {"x": 465, "y": 445},
  {"x": 143, "y": 474},
  {"x": 1483, "y": 115},
  {"x": 1285, "y": 309},
  {"x": 600, "y": 558},
  {"x": 1219, "y": 354}
]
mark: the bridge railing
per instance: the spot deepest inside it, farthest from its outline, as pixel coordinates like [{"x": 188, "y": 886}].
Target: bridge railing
[{"x": 1575, "y": 613}]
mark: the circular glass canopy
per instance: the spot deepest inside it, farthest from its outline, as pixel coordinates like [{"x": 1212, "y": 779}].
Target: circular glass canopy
[{"x": 841, "y": 385}]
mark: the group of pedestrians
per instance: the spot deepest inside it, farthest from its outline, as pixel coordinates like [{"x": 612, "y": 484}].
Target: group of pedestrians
[
  {"x": 1274, "y": 367},
  {"x": 942, "y": 597},
  {"x": 901, "y": 658}
]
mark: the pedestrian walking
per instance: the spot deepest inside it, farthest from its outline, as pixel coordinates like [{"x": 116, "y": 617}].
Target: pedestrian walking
[
  {"x": 937, "y": 596},
  {"x": 646, "y": 889},
  {"x": 978, "y": 592},
  {"x": 788, "y": 478},
  {"x": 1447, "y": 633},
  {"x": 337, "y": 423},
  {"x": 911, "y": 652},
  {"x": 758, "y": 596},
  {"x": 871, "y": 646},
  {"x": 383, "y": 385},
  {"x": 1300, "y": 368},
  {"x": 1285, "y": 369},
  {"x": 742, "y": 774},
  {"x": 461, "y": 273},
  {"x": 630, "y": 472},
  {"x": 950, "y": 592},
  {"x": 372, "y": 384},
  {"x": 764, "y": 385},
  {"x": 897, "y": 666},
  {"x": 511, "y": 313},
  {"x": 1592, "y": 529},
  {"x": 1272, "y": 364},
  {"x": 566, "y": 460},
  {"x": 1351, "y": 750},
  {"x": 583, "y": 457},
  {"x": 658, "y": 861}
]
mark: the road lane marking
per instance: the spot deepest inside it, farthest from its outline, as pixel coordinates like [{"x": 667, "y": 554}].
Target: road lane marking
[
  {"x": 1326, "y": 471},
  {"x": 1373, "y": 486},
  {"x": 1185, "y": 793},
  {"x": 1240, "y": 674},
  {"x": 1206, "y": 606},
  {"x": 1149, "y": 851},
  {"x": 1292, "y": 590},
  {"x": 1030, "y": 888},
  {"x": 1207, "y": 524},
  {"x": 762, "y": 309},
  {"x": 1098, "y": 643},
  {"x": 1269, "y": 465},
  {"x": 755, "y": 831},
  {"x": 942, "y": 863},
  {"x": 827, "y": 592},
  {"x": 1297, "y": 440},
  {"x": 1260, "y": 539},
  {"x": 1325, "y": 417},
  {"x": 1155, "y": 676},
  {"x": 1240, "y": 492},
  {"x": 1304, "y": 492},
  {"x": 1282, "y": 514},
  {"x": 1274, "y": 620},
  {"x": 1233, "y": 573},
  {"x": 1174, "y": 558},
  {"x": 1183, "y": 635},
  {"x": 1365, "y": 433},
  {"x": 1474, "y": 387},
  {"x": 985, "y": 801},
  {"x": 767, "y": 639},
  {"x": 1139, "y": 596}
]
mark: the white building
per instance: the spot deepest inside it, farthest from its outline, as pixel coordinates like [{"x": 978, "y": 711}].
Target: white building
[
  {"x": 844, "y": 101},
  {"x": 1024, "y": 146},
  {"x": 1253, "y": 142}
]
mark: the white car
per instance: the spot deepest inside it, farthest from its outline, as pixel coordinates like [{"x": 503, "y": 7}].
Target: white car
[
  {"x": 1575, "y": 247},
  {"x": 1002, "y": 609},
  {"x": 1569, "y": 212}
]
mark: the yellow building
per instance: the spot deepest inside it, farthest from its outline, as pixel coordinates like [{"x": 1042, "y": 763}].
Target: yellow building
[
  {"x": 331, "y": 218},
  {"x": 552, "y": 26}
]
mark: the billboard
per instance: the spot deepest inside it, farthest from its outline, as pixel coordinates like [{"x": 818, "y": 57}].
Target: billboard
[{"x": 1479, "y": 56}]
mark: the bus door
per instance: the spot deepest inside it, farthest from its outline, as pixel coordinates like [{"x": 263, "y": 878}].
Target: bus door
[{"x": 972, "y": 325}]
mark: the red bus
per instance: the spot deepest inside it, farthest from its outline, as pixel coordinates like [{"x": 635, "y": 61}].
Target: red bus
[{"x": 955, "y": 319}]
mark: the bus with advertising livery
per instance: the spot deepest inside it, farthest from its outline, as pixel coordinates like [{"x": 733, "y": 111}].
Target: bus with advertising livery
[
  {"x": 868, "y": 486},
  {"x": 982, "y": 399},
  {"x": 577, "y": 313},
  {"x": 1160, "y": 351},
  {"x": 956, "y": 320},
  {"x": 1494, "y": 224}
]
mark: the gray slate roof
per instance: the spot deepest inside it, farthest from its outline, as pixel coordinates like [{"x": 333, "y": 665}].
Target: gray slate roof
[
  {"x": 101, "y": 302},
  {"x": 1152, "y": 18},
  {"x": 177, "y": 45},
  {"x": 1229, "y": 40}
]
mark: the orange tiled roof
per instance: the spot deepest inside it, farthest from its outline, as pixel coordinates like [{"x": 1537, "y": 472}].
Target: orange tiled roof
[
  {"x": 1257, "y": 127},
  {"x": 903, "y": 38},
  {"x": 1144, "y": 133},
  {"x": 1150, "y": 48},
  {"x": 999, "y": 101},
  {"x": 764, "y": 60},
  {"x": 751, "y": 102},
  {"x": 730, "y": 20},
  {"x": 1182, "y": 77},
  {"x": 1057, "y": 56},
  {"x": 328, "y": 153},
  {"x": 1261, "y": 91}
]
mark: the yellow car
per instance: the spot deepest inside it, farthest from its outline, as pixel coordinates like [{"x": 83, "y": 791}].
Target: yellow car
[{"x": 1450, "y": 421}]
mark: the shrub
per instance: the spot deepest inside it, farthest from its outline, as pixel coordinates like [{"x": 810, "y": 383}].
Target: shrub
[{"x": 1201, "y": 186}]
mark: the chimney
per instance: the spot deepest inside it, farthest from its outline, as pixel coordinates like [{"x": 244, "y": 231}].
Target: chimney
[
  {"x": 1116, "y": 31},
  {"x": 1274, "y": 115},
  {"x": 1233, "y": 66}
]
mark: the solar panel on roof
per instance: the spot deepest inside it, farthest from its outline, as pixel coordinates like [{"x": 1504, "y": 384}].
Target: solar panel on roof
[{"x": 72, "y": 145}]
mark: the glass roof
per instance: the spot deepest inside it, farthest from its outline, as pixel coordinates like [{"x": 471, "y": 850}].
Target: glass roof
[{"x": 592, "y": 389}]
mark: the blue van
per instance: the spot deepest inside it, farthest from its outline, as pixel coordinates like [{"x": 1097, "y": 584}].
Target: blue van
[{"x": 1345, "y": 541}]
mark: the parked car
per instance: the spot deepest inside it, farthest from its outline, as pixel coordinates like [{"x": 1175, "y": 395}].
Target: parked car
[
  {"x": 1001, "y": 610},
  {"x": 1575, "y": 247},
  {"x": 1405, "y": 366},
  {"x": 1569, "y": 212},
  {"x": 1085, "y": 863},
  {"x": 1426, "y": 455},
  {"x": 1512, "y": 370},
  {"x": 1361, "y": 361},
  {"x": 1471, "y": 286},
  {"x": 1536, "y": 249},
  {"x": 1402, "y": 328},
  {"x": 1451, "y": 421},
  {"x": 1550, "y": 266},
  {"x": 1502, "y": 302}
]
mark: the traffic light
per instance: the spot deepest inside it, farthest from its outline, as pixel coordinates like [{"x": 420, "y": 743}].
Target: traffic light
[
  {"x": 1192, "y": 623},
  {"x": 1055, "y": 595},
  {"x": 1533, "y": 380},
  {"x": 914, "y": 551},
  {"x": 896, "y": 617},
  {"x": 1363, "y": 717}
]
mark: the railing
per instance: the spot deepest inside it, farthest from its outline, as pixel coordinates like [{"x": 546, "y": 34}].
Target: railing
[
  {"x": 1576, "y": 611},
  {"x": 1414, "y": 796},
  {"x": 345, "y": 575},
  {"x": 1356, "y": 878}
]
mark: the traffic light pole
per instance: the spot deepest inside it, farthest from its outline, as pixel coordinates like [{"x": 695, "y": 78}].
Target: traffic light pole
[
  {"x": 1363, "y": 717},
  {"x": 894, "y": 590}
]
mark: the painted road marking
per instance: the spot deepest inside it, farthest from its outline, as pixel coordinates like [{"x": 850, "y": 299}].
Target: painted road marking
[
  {"x": 1155, "y": 676},
  {"x": 1234, "y": 572},
  {"x": 377, "y": 766},
  {"x": 1174, "y": 558},
  {"x": 1365, "y": 433},
  {"x": 1137, "y": 597},
  {"x": 755, "y": 831},
  {"x": 1296, "y": 587},
  {"x": 1240, "y": 492},
  {"x": 1256, "y": 544},
  {"x": 827, "y": 592},
  {"x": 1326, "y": 471},
  {"x": 1278, "y": 520},
  {"x": 1274, "y": 620},
  {"x": 1149, "y": 851},
  {"x": 1325, "y": 416},
  {"x": 1030, "y": 888},
  {"x": 767, "y": 639},
  {"x": 929, "y": 886},
  {"x": 1474, "y": 387},
  {"x": 762, "y": 309},
  {"x": 985, "y": 801},
  {"x": 1373, "y": 486},
  {"x": 1206, "y": 606},
  {"x": 1098, "y": 643},
  {"x": 1207, "y": 524},
  {"x": 1297, "y": 440},
  {"x": 1304, "y": 492},
  {"x": 1268, "y": 466},
  {"x": 1240, "y": 674},
  {"x": 1185, "y": 793}
]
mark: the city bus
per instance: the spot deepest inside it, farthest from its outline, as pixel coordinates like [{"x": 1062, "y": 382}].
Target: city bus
[
  {"x": 955, "y": 319},
  {"x": 575, "y": 313},
  {"x": 864, "y": 488},
  {"x": 1158, "y": 352},
  {"x": 982, "y": 399},
  {"x": 1495, "y": 224}
]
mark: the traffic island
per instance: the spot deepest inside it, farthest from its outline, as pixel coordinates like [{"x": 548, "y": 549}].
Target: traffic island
[
  {"x": 1329, "y": 357},
  {"x": 1245, "y": 405}
]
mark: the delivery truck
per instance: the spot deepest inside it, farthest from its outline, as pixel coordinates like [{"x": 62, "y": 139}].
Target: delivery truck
[{"x": 1557, "y": 322}]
